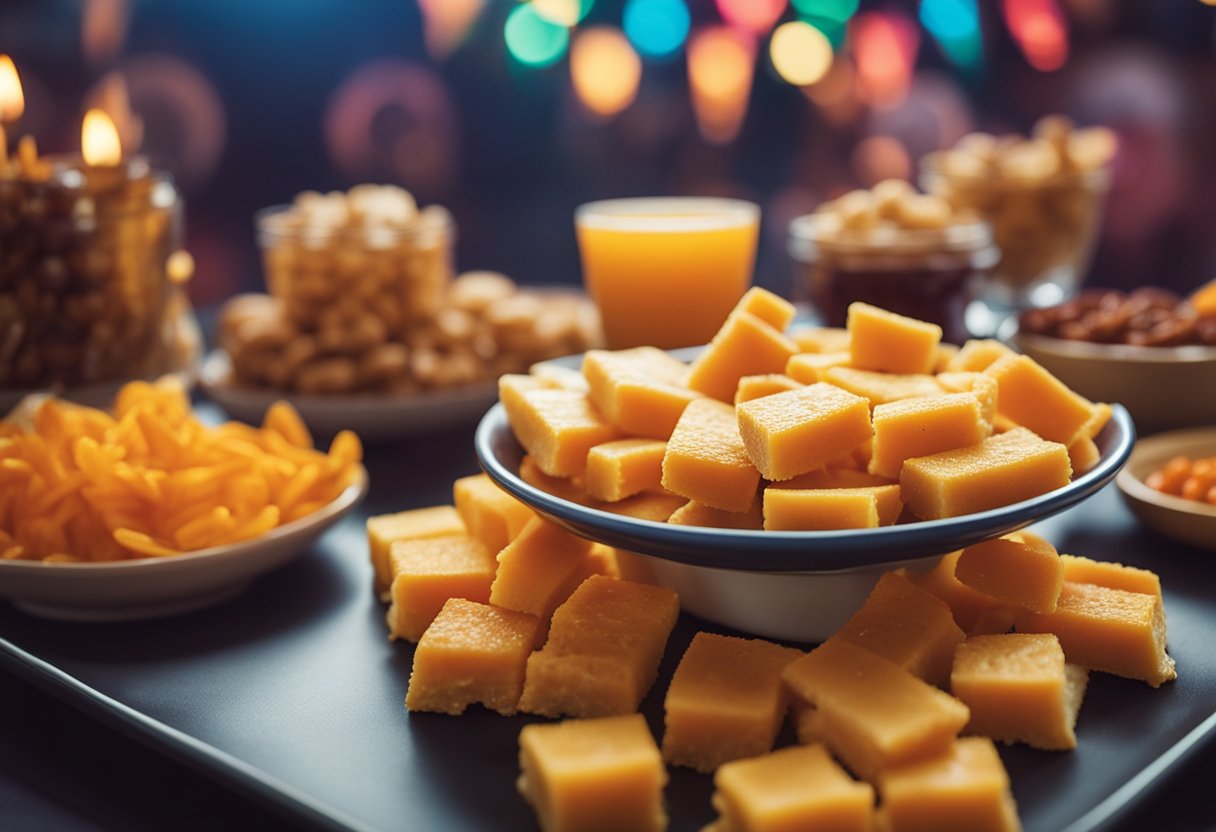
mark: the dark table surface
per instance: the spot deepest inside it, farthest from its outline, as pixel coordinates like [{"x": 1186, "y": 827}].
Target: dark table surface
[{"x": 66, "y": 766}]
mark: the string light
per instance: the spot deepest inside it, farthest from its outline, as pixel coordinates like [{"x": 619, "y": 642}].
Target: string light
[
  {"x": 755, "y": 16},
  {"x": 720, "y": 69},
  {"x": 604, "y": 70},
  {"x": 955, "y": 25},
  {"x": 533, "y": 40},
  {"x": 562, "y": 12},
  {"x": 1040, "y": 31},
  {"x": 800, "y": 53},
  {"x": 884, "y": 46},
  {"x": 656, "y": 28}
]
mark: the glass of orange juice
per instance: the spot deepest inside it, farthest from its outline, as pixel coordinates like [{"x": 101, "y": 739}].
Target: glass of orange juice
[{"x": 666, "y": 271}]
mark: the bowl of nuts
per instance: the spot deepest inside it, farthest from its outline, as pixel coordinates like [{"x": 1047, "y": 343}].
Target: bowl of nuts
[
  {"x": 892, "y": 247},
  {"x": 364, "y": 326},
  {"x": 1043, "y": 195},
  {"x": 1149, "y": 349}
]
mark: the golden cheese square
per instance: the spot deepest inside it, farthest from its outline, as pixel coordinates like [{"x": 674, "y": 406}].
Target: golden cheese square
[
  {"x": 906, "y": 625},
  {"x": 603, "y": 650},
  {"x": 624, "y": 467},
  {"x": 771, "y": 308},
  {"x": 821, "y": 339},
  {"x": 693, "y": 513},
  {"x": 999, "y": 471},
  {"x": 873, "y": 713},
  {"x": 755, "y": 387},
  {"x": 1019, "y": 689},
  {"x": 539, "y": 569},
  {"x": 800, "y": 788},
  {"x": 964, "y": 788},
  {"x": 978, "y": 355},
  {"x": 881, "y": 388},
  {"x": 1109, "y": 630},
  {"x": 791, "y": 433},
  {"x": 810, "y": 367},
  {"x": 1024, "y": 571},
  {"x": 471, "y": 654},
  {"x": 726, "y": 701},
  {"x": 923, "y": 426},
  {"x": 706, "y": 461},
  {"x": 555, "y": 427},
  {"x": 593, "y": 775},
  {"x": 490, "y": 514},
  {"x": 386, "y": 529},
  {"x": 744, "y": 346},
  {"x": 1083, "y": 570},
  {"x": 642, "y": 390},
  {"x": 890, "y": 343},
  {"x": 427, "y": 572},
  {"x": 1032, "y": 397},
  {"x": 821, "y": 509},
  {"x": 966, "y": 604}
]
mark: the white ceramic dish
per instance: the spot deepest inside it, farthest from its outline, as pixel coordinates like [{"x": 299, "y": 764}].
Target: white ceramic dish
[
  {"x": 1187, "y": 521},
  {"x": 156, "y": 587},
  {"x": 1162, "y": 387},
  {"x": 370, "y": 416}
]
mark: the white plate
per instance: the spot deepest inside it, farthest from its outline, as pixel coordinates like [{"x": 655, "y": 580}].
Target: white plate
[
  {"x": 371, "y": 416},
  {"x": 155, "y": 587},
  {"x": 1187, "y": 521}
]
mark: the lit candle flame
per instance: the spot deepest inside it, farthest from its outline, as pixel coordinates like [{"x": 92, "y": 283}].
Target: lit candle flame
[
  {"x": 12, "y": 99},
  {"x": 99, "y": 140}
]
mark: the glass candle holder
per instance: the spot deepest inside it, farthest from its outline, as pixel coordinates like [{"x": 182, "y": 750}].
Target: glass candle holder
[
  {"x": 85, "y": 292},
  {"x": 922, "y": 273}
]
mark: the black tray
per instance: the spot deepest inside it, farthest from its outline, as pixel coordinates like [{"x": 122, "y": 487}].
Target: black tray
[{"x": 293, "y": 694}]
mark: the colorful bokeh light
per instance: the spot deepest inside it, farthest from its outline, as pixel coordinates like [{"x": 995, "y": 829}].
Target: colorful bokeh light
[
  {"x": 800, "y": 53},
  {"x": 562, "y": 12},
  {"x": 884, "y": 46},
  {"x": 721, "y": 60},
  {"x": 656, "y": 28},
  {"x": 955, "y": 25},
  {"x": 533, "y": 40},
  {"x": 755, "y": 16},
  {"x": 605, "y": 70},
  {"x": 835, "y": 10},
  {"x": 1040, "y": 30},
  {"x": 446, "y": 23}
]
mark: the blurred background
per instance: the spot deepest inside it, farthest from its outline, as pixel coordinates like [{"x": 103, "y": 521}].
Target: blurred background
[{"x": 511, "y": 114}]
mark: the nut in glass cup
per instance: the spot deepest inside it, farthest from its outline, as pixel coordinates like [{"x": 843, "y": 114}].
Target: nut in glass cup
[
  {"x": 922, "y": 273},
  {"x": 666, "y": 271},
  {"x": 1045, "y": 221},
  {"x": 329, "y": 271}
]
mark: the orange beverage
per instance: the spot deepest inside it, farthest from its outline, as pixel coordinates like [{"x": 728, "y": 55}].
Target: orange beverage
[{"x": 666, "y": 271}]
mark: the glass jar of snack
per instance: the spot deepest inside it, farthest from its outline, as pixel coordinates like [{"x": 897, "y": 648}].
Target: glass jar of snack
[
  {"x": 894, "y": 248},
  {"x": 87, "y": 295},
  {"x": 1043, "y": 197},
  {"x": 342, "y": 262}
]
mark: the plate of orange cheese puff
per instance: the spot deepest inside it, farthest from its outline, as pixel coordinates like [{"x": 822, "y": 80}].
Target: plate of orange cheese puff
[{"x": 143, "y": 510}]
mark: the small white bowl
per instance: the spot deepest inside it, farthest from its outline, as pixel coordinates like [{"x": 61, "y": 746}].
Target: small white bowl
[
  {"x": 154, "y": 587},
  {"x": 1187, "y": 521},
  {"x": 1162, "y": 387}
]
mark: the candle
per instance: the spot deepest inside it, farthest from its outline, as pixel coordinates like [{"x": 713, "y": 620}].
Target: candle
[
  {"x": 12, "y": 103},
  {"x": 85, "y": 293}
]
